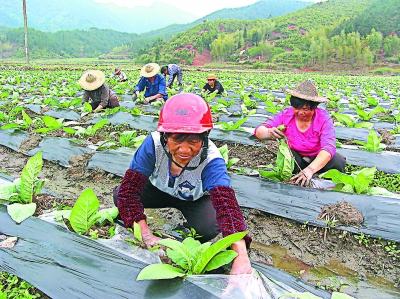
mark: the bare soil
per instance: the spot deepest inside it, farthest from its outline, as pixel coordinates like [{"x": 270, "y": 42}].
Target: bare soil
[{"x": 314, "y": 247}]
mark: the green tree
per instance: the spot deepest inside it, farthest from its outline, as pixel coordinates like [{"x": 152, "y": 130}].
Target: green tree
[{"x": 374, "y": 41}]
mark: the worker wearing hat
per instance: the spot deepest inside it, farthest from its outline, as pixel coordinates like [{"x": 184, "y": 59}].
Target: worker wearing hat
[
  {"x": 119, "y": 75},
  {"x": 152, "y": 83},
  {"x": 213, "y": 85},
  {"x": 97, "y": 93}
]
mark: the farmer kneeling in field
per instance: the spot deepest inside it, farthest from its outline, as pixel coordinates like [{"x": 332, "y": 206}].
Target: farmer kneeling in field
[
  {"x": 213, "y": 85},
  {"x": 309, "y": 131},
  {"x": 119, "y": 75},
  {"x": 97, "y": 93},
  {"x": 153, "y": 82},
  {"x": 178, "y": 166}
]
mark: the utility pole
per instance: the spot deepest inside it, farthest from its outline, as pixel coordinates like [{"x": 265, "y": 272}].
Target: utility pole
[{"x": 26, "y": 32}]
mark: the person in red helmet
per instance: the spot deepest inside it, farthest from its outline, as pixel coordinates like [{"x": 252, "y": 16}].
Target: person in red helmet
[{"x": 178, "y": 166}]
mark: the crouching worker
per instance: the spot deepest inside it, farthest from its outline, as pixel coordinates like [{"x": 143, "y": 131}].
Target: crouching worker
[
  {"x": 152, "y": 82},
  {"x": 97, "y": 93},
  {"x": 178, "y": 166},
  {"x": 309, "y": 131}
]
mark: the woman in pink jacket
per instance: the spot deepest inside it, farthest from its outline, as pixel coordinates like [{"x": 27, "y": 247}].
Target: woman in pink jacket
[{"x": 309, "y": 131}]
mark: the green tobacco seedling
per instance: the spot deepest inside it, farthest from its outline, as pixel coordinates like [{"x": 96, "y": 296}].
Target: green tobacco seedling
[
  {"x": 192, "y": 257},
  {"x": 284, "y": 165},
  {"x": 22, "y": 190}
]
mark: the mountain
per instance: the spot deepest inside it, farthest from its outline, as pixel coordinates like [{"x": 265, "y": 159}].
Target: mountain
[
  {"x": 383, "y": 15},
  {"x": 260, "y": 10},
  {"x": 52, "y": 15},
  {"x": 295, "y": 39}
]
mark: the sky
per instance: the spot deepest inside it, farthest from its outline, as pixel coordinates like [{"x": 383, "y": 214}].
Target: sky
[{"x": 195, "y": 7}]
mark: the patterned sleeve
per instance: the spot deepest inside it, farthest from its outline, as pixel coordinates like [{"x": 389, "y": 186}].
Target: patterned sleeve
[
  {"x": 171, "y": 72},
  {"x": 229, "y": 216},
  {"x": 129, "y": 205}
]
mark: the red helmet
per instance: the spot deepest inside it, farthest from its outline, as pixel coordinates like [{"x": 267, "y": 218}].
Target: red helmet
[{"x": 185, "y": 113}]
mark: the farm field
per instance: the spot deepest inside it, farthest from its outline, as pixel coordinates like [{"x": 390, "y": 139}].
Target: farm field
[{"x": 40, "y": 110}]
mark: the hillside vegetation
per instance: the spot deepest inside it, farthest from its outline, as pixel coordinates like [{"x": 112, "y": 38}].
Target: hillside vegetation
[
  {"x": 260, "y": 10},
  {"x": 382, "y": 15},
  {"x": 65, "y": 44},
  {"x": 303, "y": 38}
]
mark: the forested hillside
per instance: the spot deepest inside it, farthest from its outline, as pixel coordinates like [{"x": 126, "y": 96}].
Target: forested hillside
[
  {"x": 383, "y": 14},
  {"x": 260, "y": 10},
  {"x": 65, "y": 44},
  {"x": 302, "y": 38}
]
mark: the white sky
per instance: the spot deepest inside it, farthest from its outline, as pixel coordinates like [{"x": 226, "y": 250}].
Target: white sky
[{"x": 196, "y": 7}]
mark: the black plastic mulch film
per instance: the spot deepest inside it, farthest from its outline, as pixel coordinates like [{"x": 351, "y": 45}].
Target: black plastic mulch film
[{"x": 92, "y": 273}]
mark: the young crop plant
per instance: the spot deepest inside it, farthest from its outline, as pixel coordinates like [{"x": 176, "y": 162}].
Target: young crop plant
[
  {"x": 11, "y": 114},
  {"x": 367, "y": 116},
  {"x": 22, "y": 124},
  {"x": 230, "y": 125},
  {"x": 85, "y": 213},
  {"x": 357, "y": 182},
  {"x": 356, "y": 104},
  {"x": 52, "y": 124},
  {"x": 208, "y": 97},
  {"x": 90, "y": 130},
  {"x": 126, "y": 139},
  {"x": 351, "y": 122},
  {"x": 189, "y": 234},
  {"x": 12, "y": 287},
  {"x": 137, "y": 233},
  {"x": 191, "y": 257},
  {"x": 284, "y": 165},
  {"x": 249, "y": 103},
  {"x": 219, "y": 108},
  {"x": 225, "y": 152},
  {"x": 245, "y": 111},
  {"x": 70, "y": 104},
  {"x": 373, "y": 143},
  {"x": 274, "y": 109},
  {"x": 225, "y": 103},
  {"x": 21, "y": 191}
]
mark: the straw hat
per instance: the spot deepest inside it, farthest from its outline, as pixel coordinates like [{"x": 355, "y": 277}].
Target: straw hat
[
  {"x": 117, "y": 70},
  {"x": 91, "y": 79},
  {"x": 211, "y": 76},
  {"x": 149, "y": 70},
  {"x": 307, "y": 90}
]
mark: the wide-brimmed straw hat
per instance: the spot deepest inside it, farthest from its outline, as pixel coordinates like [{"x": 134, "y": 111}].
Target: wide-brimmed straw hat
[
  {"x": 117, "y": 70},
  {"x": 150, "y": 70},
  {"x": 92, "y": 79},
  {"x": 307, "y": 90}
]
